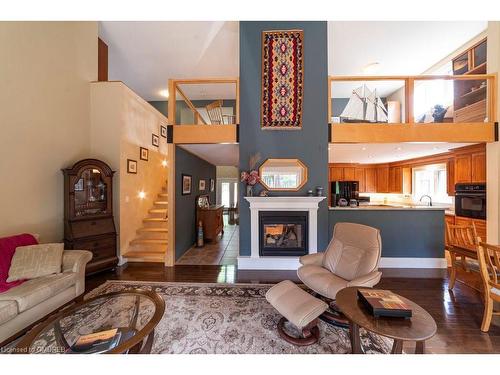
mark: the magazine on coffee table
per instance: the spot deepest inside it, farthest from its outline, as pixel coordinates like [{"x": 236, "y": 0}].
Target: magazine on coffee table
[
  {"x": 382, "y": 303},
  {"x": 97, "y": 342}
]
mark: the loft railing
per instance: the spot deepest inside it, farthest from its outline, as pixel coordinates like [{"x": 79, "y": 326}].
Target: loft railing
[
  {"x": 179, "y": 87},
  {"x": 473, "y": 98}
]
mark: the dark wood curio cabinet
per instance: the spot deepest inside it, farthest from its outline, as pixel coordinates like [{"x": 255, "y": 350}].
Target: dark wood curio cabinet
[{"x": 88, "y": 212}]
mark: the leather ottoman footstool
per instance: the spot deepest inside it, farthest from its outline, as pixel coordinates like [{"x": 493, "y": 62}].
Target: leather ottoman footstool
[{"x": 299, "y": 308}]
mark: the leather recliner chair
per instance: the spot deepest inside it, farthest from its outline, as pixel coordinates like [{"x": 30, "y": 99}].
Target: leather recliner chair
[{"x": 351, "y": 259}]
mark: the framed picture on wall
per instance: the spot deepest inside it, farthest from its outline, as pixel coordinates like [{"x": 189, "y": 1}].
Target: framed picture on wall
[
  {"x": 201, "y": 185},
  {"x": 144, "y": 154},
  {"x": 187, "y": 183},
  {"x": 155, "y": 140},
  {"x": 212, "y": 185},
  {"x": 131, "y": 166},
  {"x": 163, "y": 131}
]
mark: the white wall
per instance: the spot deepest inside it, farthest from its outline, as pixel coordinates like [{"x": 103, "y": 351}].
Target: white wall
[
  {"x": 493, "y": 149},
  {"x": 45, "y": 71}
]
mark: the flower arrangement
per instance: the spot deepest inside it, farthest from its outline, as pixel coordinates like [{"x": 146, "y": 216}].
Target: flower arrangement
[{"x": 250, "y": 178}]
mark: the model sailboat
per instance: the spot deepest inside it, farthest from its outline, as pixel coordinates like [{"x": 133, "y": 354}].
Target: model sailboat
[{"x": 364, "y": 106}]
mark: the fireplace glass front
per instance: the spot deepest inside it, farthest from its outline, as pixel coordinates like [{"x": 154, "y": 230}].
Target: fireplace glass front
[{"x": 283, "y": 233}]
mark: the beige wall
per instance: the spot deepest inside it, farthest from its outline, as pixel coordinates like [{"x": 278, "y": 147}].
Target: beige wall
[
  {"x": 493, "y": 149},
  {"x": 121, "y": 123},
  {"x": 44, "y": 119}
]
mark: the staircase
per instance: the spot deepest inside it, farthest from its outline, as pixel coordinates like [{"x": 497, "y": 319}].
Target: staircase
[{"x": 150, "y": 243}]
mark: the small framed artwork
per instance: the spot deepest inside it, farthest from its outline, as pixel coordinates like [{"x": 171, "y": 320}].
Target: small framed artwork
[
  {"x": 163, "y": 131},
  {"x": 155, "y": 140},
  {"x": 201, "y": 185},
  {"x": 144, "y": 155},
  {"x": 212, "y": 185},
  {"x": 186, "y": 184},
  {"x": 131, "y": 166}
]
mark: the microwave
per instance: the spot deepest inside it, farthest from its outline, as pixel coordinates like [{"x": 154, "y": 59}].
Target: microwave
[{"x": 470, "y": 200}]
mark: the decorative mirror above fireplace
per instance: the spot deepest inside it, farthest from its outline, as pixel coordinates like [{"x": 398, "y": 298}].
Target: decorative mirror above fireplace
[{"x": 283, "y": 174}]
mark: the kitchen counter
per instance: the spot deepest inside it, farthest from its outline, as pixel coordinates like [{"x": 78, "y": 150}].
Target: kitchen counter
[
  {"x": 409, "y": 233},
  {"x": 395, "y": 206}
]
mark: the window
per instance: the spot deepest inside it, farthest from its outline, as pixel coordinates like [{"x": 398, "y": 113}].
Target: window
[
  {"x": 431, "y": 180},
  {"x": 429, "y": 93},
  {"x": 225, "y": 195}
]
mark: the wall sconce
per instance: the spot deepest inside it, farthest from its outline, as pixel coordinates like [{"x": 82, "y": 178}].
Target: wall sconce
[
  {"x": 142, "y": 194},
  {"x": 164, "y": 163}
]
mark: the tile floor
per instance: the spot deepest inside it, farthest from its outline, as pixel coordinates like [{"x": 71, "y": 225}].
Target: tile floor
[{"x": 222, "y": 252}]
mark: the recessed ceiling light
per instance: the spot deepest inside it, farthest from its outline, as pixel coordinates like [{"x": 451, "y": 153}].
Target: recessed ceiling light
[
  {"x": 398, "y": 148},
  {"x": 164, "y": 93},
  {"x": 371, "y": 68},
  {"x": 363, "y": 148}
]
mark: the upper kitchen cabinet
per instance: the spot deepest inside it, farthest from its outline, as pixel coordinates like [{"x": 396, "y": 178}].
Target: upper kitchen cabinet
[
  {"x": 463, "y": 171},
  {"x": 478, "y": 162},
  {"x": 336, "y": 173},
  {"x": 470, "y": 164}
]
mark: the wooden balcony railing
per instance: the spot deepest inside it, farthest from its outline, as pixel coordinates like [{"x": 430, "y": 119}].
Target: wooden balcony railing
[
  {"x": 473, "y": 111},
  {"x": 202, "y": 130}
]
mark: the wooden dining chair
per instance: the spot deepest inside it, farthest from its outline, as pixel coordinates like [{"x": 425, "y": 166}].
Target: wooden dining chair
[
  {"x": 462, "y": 246},
  {"x": 489, "y": 266},
  {"x": 215, "y": 114}
]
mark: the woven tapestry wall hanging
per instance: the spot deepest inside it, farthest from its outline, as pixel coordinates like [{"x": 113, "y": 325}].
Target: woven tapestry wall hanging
[{"x": 282, "y": 79}]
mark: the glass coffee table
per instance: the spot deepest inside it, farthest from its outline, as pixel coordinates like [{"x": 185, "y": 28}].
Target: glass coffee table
[{"x": 130, "y": 317}]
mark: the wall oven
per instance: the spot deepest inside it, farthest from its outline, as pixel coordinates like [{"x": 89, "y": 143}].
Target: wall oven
[{"x": 470, "y": 200}]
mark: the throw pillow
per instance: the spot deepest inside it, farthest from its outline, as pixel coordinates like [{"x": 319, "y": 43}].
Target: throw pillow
[{"x": 30, "y": 262}]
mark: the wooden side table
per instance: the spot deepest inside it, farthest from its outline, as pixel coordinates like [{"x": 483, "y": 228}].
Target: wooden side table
[{"x": 419, "y": 328}]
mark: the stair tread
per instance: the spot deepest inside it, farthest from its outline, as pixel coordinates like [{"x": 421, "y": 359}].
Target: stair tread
[
  {"x": 153, "y": 229},
  {"x": 161, "y": 202},
  {"x": 143, "y": 254},
  {"x": 160, "y": 219},
  {"x": 149, "y": 241},
  {"x": 158, "y": 210},
  {"x": 163, "y": 195}
]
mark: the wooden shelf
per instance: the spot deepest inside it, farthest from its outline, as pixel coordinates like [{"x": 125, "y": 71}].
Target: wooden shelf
[
  {"x": 480, "y": 69},
  {"x": 474, "y": 93}
]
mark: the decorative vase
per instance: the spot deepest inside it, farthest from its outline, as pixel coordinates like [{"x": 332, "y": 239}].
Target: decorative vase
[{"x": 249, "y": 191}]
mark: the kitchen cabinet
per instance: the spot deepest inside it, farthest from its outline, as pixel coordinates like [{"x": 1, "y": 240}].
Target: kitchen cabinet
[
  {"x": 395, "y": 180},
  {"x": 371, "y": 180},
  {"x": 359, "y": 175},
  {"x": 349, "y": 174},
  {"x": 382, "y": 180},
  {"x": 336, "y": 173},
  {"x": 407, "y": 180},
  {"x": 478, "y": 162},
  {"x": 450, "y": 177},
  {"x": 463, "y": 166}
]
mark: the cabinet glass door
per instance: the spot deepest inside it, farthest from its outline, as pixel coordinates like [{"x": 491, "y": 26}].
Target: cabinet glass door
[{"x": 90, "y": 194}]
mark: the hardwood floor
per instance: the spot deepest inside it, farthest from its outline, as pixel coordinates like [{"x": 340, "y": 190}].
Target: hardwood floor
[{"x": 458, "y": 313}]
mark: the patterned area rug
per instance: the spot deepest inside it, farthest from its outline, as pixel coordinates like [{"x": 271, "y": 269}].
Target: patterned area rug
[{"x": 231, "y": 318}]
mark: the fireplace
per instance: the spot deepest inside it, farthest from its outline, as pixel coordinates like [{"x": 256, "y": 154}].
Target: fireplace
[{"x": 283, "y": 233}]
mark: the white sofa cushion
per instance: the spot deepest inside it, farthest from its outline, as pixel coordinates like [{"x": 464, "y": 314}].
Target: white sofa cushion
[
  {"x": 30, "y": 262},
  {"x": 32, "y": 292},
  {"x": 8, "y": 310}
]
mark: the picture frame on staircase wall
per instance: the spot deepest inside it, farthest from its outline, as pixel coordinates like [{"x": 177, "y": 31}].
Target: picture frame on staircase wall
[
  {"x": 187, "y": 184},
  {"x": 144, "y": 154},
  {"x": 163, "y": 131},
  {"x": 131, "y": 166},
  {"x": 155, "y": 140}
]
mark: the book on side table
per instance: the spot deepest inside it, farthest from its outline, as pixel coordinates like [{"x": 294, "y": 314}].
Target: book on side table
[{"x": 384, "y": 303}]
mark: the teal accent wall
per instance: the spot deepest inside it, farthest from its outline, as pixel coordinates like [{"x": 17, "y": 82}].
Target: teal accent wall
[
  {"x": 185, "y": 207},
  {"x": 309, "y": 144}
]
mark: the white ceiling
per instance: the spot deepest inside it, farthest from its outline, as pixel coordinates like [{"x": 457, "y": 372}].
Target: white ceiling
[
  {"x": 216, "y": 154},
  {"x": 401, "y": 48},
  {"x": 373, "y": 153},
  {"x": 145, "y": 55}
]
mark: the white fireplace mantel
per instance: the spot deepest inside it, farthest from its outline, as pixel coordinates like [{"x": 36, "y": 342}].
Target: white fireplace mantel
[{"x": 292, "y": 203}]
